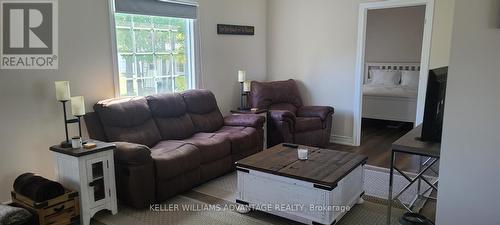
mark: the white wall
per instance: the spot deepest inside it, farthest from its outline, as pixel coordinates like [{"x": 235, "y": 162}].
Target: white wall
[
  {"x": 315, "y": 43},
  {"x": 224, "y": 55},
  {"x": 441, "y": 33},
  {"x": 30, "y": 117},
  {"x": 395, "y": 35},
  {"x": 470, "y": 156}
]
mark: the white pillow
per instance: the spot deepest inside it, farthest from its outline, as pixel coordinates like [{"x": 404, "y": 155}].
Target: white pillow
[
  {"x": 410, "y": 78},
  {"x": 385, "y": 77}
]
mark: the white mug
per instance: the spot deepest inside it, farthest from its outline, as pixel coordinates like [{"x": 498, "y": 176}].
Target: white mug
[
  {"x": 76, "y": 142},
  {"x": 302, "y": 153}
]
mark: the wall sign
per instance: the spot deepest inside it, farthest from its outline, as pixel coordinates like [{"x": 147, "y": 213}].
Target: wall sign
[{"x": 235, "y": 29}]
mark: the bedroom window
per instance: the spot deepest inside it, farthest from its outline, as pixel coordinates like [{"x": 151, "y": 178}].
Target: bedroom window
[{"x": 154, "y": 47}]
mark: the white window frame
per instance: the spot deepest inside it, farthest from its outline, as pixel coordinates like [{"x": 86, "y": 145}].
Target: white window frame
[{"x": 194, "y": 68}]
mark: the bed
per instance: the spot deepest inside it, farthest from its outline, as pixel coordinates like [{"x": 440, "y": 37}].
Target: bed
[{"x": 390, "y": 91}]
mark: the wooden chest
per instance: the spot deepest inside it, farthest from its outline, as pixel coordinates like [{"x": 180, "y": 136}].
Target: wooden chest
[
  {"x": 57, "y": 211},
  {"x": 320, "y": 190}
]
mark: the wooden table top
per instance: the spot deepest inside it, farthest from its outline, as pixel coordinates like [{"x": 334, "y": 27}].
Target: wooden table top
[
  {"x": 101, "y": 146},
  {"x": 323, "y": 166},
  {"x": 411, "y": 144}
]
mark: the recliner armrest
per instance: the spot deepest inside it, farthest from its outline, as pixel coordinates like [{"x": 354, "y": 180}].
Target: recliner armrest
[
  {"x": 315, "y": 111},
  {"x": 132, "y": 154},
  {"x": 282, "y": 115},
  {"x": 247, "y": 120}
]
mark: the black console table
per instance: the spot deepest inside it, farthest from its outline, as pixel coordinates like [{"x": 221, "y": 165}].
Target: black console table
[{"x": 429, "y": 153}]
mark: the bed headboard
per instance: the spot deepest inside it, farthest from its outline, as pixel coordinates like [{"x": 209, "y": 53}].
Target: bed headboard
[{"x": 389, "y": 66}]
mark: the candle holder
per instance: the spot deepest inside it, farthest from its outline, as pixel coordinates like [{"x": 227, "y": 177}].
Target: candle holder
[
  {"x": 244, "y": 98},
  {"x": 67, "y": 142}
]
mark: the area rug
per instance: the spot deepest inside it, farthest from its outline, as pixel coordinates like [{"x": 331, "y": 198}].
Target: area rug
[
  {"x": 213, "y": 203},
  {"x": 196, "y": 208}
]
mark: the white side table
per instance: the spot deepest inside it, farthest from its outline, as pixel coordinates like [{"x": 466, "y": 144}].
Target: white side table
[
  {"x": 92, "y": 173},
  {"x": 260, "y": 112}
]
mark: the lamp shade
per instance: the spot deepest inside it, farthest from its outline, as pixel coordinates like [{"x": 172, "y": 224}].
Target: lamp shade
[
  {"x": 242, "y": 76},
  {"x": 78, "y": 106},
  {"x": 62, "y": 91},
  {"x": 246, "y": 86}
]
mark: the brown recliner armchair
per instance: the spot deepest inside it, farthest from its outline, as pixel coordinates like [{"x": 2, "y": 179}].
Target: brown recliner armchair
[{"x": 289, "y": 120}]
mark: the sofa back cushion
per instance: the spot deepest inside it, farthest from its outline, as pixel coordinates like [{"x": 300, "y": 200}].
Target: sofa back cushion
[
  {"x": 283, "y": 95},
  {"x": 170, "y": 114},
  {"x": 203, "y": 110},
  {"x": 128, "y": 120}
]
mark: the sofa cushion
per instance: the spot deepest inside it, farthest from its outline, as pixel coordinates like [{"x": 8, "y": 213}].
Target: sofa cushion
[
  {"x": 128, "y": 120},
  {"x": 203, "y": 110},
  {"x": 307, "y": 124},
  {"x": 170, "y": 114},
  {"x": 173, "y": 158},
  {"x": 212, "y": 146},
  {"x": 242, "y": 138}
]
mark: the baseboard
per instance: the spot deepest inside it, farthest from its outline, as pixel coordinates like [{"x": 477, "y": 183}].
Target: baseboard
[
  {"x": 342, "y": 140},
  {"x": 7, "y": 202}
]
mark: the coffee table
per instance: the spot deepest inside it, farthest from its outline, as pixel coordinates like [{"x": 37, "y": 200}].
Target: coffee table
[{"x": 319, "y": 190}]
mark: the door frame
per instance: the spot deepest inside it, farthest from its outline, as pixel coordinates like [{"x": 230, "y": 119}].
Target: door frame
[{"x": 360, "y": 57}]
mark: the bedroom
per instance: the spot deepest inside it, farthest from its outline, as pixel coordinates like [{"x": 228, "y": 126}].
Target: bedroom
[{"x": 393, "y": 51}]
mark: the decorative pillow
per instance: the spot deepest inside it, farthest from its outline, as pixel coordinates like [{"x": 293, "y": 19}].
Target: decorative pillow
[
  {"x": 410, "y": 78},
  {"x": 385, "y": 77}
]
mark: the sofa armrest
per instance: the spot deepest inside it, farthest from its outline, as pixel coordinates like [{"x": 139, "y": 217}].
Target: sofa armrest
[
  {"x": 134, "y": 174},
  {"x": 247, "y": 120},
  {"x": 315, "y": 111},
  {"x": 132, "y": 154}
]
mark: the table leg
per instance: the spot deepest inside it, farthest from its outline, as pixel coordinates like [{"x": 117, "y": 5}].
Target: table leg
[
  {"x": 419, "y": 170},
  {"x": 243, "y": 209},
  {"x": 389, "y": 198}
]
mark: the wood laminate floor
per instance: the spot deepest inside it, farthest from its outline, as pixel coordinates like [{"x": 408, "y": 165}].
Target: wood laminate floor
[{"x": 376, "y": 140}]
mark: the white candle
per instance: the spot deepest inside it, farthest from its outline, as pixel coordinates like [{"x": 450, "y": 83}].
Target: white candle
[
  {"x": 302, "y": 153},
  {"x": 242, "y": 76},
  {"x": 62, "y": 91},
  {"x": 78, "y": 106},
  {"x": 246, "y": 86}
]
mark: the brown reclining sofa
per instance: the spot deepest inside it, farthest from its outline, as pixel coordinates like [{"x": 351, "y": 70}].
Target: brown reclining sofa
[{"x": 169, "y": 143}]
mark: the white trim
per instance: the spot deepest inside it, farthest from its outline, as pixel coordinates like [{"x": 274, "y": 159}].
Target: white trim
[
  {"x": 342, "y": 140},
  {"x": 360, "y": 56},
  {"x": 183, "y": 2},
  {"x": 198, "y": 76},
  {"x": 195, "y": 67},
  {"x": 114, "y": 48},
  {"x": 7, "y": 202}
]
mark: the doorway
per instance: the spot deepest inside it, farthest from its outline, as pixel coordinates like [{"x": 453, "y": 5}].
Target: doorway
[{"x": 386, "y": 67}]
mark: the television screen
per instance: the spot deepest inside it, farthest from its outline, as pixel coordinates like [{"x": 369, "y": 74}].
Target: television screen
[{"x": 434, "y": 105}]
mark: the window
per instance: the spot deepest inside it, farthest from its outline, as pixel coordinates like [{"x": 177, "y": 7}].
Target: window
[{"x": 155, "y": 54}]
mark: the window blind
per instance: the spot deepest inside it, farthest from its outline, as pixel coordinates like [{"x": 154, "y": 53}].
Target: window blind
[{"x": 168, "y": 8}]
